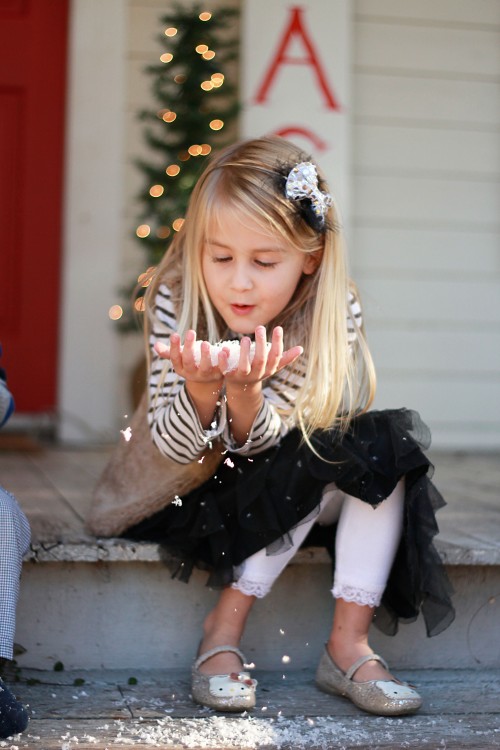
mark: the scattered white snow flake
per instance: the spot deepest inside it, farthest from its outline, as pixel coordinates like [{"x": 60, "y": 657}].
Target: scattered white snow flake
[
  {"x": 127, "y": 433},
  {"x": 285, "y": 659},
  {"x": 201, "y": 460},
  {"x": 282, "y": 632},
  {"x": 229, "y": 463},
  {"x": 177, "y": 500}
]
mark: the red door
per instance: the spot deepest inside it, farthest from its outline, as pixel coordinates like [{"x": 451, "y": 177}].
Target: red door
[{"x": 33, "y": 44}]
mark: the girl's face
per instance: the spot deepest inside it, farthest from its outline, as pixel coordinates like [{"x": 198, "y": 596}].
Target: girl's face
[{"x": 250, "y": 275}]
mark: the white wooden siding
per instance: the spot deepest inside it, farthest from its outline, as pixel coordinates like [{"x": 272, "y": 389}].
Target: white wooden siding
[{"x": 425, "y": 238}]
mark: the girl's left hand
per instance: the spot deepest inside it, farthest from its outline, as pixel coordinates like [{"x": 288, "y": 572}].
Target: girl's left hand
[{"x": 265, "y": 362}]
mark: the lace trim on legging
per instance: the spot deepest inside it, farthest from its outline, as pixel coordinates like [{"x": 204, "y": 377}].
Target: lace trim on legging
[
  {"x": 357, "y": 595},
  {"x": 252, "y": 588}
]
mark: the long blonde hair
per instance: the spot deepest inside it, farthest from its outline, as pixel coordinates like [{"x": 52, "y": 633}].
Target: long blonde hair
[{"x": 339, "y": 380}]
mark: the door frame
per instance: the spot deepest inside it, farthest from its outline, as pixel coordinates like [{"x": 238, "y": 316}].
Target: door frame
[{"x": 93, "y": 221}]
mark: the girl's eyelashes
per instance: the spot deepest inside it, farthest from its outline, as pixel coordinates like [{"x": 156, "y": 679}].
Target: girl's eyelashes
[
  {"x": 260, "y": 263},
  {"x": 264, "y": 264}
]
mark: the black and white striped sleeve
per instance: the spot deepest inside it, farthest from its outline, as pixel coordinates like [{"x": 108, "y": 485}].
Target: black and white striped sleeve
[
  {"x": 273, "y": 420},
  {"x": 175, "y": 426}
]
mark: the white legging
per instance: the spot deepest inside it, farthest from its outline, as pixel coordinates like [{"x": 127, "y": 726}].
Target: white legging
[{"x": 366, "y": 543}]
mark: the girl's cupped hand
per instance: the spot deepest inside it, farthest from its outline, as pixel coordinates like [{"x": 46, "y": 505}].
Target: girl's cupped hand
[{"x": 266, "y": 360}]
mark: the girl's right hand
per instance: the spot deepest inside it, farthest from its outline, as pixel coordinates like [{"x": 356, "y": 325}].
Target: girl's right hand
[{"x": 183, "y": 359}]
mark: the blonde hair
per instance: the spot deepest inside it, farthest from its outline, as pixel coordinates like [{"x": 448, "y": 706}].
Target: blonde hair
[{"x": 247, "y": 177}]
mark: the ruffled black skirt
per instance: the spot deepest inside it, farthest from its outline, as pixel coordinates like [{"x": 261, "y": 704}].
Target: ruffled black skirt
[{"x": 251, "y": 503}]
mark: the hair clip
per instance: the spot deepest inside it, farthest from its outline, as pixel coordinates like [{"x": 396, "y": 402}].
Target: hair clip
[{"x": 302, "y": 184}]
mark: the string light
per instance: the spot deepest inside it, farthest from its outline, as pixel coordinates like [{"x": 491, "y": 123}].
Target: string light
[
  {"x": 205, "y": 16},
  {"x": 140, "y": 304},
  {"x": 207, "y": 85},
  {"x": 115, "y": 312},
  {"x": 194, "y": 150},
  {"x": 156, "y": 190},
  {"x": 183, "y": 155},
  {"x": 177, "y": 224},
  {"x": 169, "y": 116},
  {"x": 216, "y": 124},
  {"x": 163, "y": 232},
  {"x": 180, "y": 78},
  {"x": 144, "y": 279},
  {"x": 201, "y": 48},
  {"x": 208, "y": 55},
  {"x": 171, "y": 31},
  {"x": 166, "y": 57},
  {"x": 217, "y": 79},
  {"x": 173, "y": 170},
  {"x": 205, "y": 149},
  {"x": 143, "y": 230}
]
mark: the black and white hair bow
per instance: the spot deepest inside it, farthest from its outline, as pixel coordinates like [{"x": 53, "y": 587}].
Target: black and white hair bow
[{"x": 302, "y": 185}]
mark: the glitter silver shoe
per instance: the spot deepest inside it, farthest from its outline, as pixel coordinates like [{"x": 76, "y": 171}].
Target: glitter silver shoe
[
  {"x": 381, "y": 697},
  {"x": 223, "y": 692}
]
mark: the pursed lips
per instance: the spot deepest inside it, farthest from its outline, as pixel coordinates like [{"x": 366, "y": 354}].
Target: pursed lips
[{"x": 241, "y": 309}]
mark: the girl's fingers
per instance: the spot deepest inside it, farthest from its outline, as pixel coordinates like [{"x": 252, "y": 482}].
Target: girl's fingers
[
  {"x": 162, "y": 350},
  {"x": 205, "y": 358},
  {"x": 290, "y": 356},
  {"x": 188, "y": 349},
  {"x": 276, "y": 350},
  {"x": 244, "y": 361},
  {"x": 260, "y": 353},
  {"x": 175, "y": 350}
]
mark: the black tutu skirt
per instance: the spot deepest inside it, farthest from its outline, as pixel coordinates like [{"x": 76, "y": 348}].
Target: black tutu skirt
[{"x": 254, "y": 502}]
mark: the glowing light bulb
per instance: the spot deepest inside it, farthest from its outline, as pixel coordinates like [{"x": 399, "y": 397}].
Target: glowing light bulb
[
  {"x": 201, "y": 48},
  {"x": 140, "y": 305},
  {"x": 205, "y": 16},
  {"x": 217, "y": 79},
  {"x": 144, "y": 279},
  {"x": 194, "y": 150},
  {"x": 171, "y": 31},
  {"x": 143, "y": 230},
  {"x": 180, "y": 78},
  {"x": 216, "y": 124},
  {"x": 115, "y": 312},
  {"x": 156, "y": 190},
  {"x": 162, "y": 233},
  {"x": 166, "y": 57},
  {"x": 183, "y": 156},
  {"x": 173, "y": 170},
  {"x": 205, "y": 149},
  {"x": 169, "y": 116},
  {"x": 177, "y": 224},
  {"x": 208, "y": 55},
  {"x": 207, "y": 85}
]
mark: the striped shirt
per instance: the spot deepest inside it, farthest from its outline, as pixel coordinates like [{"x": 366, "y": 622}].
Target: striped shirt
[{"x": 175, "y": 426}]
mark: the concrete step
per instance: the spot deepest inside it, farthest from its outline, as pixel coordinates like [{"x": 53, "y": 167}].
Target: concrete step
[
  {"x": 94, "y": 603},
  {"x": 112, "y": 604},
  {"x": 94, "y": 710}
]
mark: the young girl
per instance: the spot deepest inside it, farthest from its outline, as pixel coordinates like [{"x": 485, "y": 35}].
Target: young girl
[{"x": 260, "y": 256}]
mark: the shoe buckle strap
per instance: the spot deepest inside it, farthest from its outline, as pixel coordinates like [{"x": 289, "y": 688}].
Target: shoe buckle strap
[
  {"x": 363, "y": 660},
  {"x": 218, "y": 650}
]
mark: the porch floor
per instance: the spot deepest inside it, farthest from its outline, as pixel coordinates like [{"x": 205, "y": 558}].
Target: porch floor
[{"x": 98, "y": 710}]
